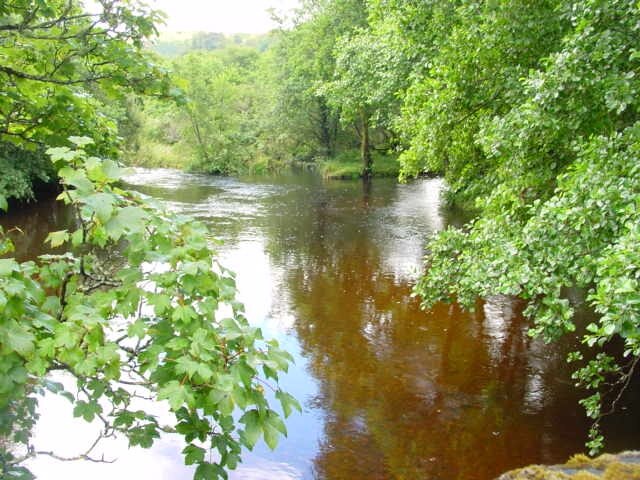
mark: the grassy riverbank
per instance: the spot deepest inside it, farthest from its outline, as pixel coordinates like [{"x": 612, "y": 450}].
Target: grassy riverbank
[{"x": 348, "y": 165}]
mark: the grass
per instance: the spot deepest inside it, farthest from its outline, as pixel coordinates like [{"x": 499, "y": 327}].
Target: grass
[
  {"x": 348, "y": 165},
  {"x": 160, "y": 155}
]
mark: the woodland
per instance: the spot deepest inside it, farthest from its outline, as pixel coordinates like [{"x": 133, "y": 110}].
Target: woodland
[{"x": 528, "y": 110}]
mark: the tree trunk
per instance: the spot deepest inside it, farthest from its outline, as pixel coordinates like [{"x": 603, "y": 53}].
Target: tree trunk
[
  {"x": 325, "y": 129},
  {"x": 365, "y": 147},
  {"x": 196, "y": 130}
]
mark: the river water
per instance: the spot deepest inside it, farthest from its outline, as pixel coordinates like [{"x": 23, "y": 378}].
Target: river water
[{"x": 389, "y": 391}]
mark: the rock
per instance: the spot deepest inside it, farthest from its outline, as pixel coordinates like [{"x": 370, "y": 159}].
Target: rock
[{"x": 623, "y": 466}]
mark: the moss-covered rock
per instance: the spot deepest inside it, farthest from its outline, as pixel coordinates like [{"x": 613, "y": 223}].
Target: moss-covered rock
[{"x": 624, "y": 466}]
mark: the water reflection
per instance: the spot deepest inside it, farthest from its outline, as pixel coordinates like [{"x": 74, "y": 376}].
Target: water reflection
[
  {"x": 29, "y": 226},
  {"x": 389, "y": 392}
]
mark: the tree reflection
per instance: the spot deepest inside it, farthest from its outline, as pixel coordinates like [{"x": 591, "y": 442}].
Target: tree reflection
[
  {"x": 29, "y": 225},
  {"x": 407, "y": 394}
]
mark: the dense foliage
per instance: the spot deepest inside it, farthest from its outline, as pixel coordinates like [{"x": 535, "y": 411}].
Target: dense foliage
[
  {"x": 136, "y": 307},
  {"x": 60, "y": 68},
  {"x": 216, "y": 129},
  {"x": 306, "y": 94},
  {"x": 555, "y": 176}
]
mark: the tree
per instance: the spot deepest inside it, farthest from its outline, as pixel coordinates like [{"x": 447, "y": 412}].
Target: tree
[
  {"x": 221, "y": 107},
  {"x": 307, "y": 59},
  {"x": 562, "y": 211},
  {"x": 364, "y": 86},
  {"x": 136, "y": 306},
  {"x": 473, "y": 75},
  {"x": 60, "y": 64}
]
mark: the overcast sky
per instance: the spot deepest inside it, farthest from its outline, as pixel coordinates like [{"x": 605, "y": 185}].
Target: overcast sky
[{"x": 227, "y": 16}]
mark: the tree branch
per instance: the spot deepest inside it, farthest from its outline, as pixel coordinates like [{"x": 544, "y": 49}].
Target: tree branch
[{"x": 44, "y": 79}]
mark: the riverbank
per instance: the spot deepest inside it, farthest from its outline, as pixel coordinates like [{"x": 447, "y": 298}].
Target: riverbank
[
  {"x": 344, "y": 166},
  {"x": 348, "y": 166}
]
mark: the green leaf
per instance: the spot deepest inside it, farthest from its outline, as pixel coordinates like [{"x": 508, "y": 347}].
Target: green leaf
[
  {"x": 184, "y": 313},
  {"x": 17, "y": 338},
  {"x": 271, "y": 436},
  {"x": 77, "y": 179},
  {"x": 193, "y": 454},
  {"x": 81, "y": 141},
  {"x": 60, "y": 153},
  {"x": 86, "y": 410},
  {"x": 3, "y": 203},
  {"x": 288, "y": 403},
  {"x": 137, "y": 329},
  {"x": 274, "y": 421},
  {"x": 57, "y": 238},
  {"x": 134, "y": 218},
  {"x": 102, "y": 204},
  {"x": 209, "y": 471},
  {"x": 112, "y": 170},
  {"x": 8, "y": 266},
  {"x": 176, "y": 394},
  {"x": 252, "y": 428},
  {"x": 77, "y": 237}
]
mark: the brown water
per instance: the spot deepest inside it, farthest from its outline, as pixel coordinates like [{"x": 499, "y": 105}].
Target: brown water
[{"x": 389, "y": 391}]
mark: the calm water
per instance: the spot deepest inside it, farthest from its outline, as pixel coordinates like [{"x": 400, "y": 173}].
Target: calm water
[{"x": 389, "y": 391}]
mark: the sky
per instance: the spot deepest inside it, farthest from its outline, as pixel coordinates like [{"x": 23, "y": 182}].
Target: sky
[{"x": 225, "y": 16}]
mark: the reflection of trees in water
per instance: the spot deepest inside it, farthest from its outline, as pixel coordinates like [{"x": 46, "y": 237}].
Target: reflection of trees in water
[
  {"x": 410, "y": 395},
  {"x": 35, "y": 221}
]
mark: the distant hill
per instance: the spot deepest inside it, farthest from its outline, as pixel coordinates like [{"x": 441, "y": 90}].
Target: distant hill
[{"x": 174, "y": 44}]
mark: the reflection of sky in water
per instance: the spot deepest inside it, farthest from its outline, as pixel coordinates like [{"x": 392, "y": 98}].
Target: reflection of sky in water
[
  {"x": 412, "y": 216},
  {"x": 498, "y": 311},
  {"x": 269, "y": 309},
  {"x": 58, "y": 431}
]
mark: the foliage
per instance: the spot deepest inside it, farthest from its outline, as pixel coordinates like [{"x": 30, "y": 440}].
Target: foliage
[
  {"x": 305, "y": 63},
  {"x": 215, "y": 129},
  {"x": 173, "y": 45},
  {"x": 560, "y": 181},
  {"x": 222, "y": 102},
  {"x": 135, "y": 306},
  {"x": 364, "y": 86},
  {"x": 473, "y": 76},
  {"x": 60, "y": 66},
  {"x": 21, "y": 171},
  {"x": 281, "y": 102}
]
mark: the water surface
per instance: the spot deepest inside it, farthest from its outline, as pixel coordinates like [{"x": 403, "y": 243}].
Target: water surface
[{"x": 389, "y": 391}]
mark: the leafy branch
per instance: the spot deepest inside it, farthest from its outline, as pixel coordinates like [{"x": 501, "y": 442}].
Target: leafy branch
[{"x": 136, "y": 316}]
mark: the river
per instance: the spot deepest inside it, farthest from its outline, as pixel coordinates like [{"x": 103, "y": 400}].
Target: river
[{"x": 389, "y": 391}]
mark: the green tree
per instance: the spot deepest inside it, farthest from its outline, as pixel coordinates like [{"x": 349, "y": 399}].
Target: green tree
[
  {"x": 215, "y": 128},
  {"x": 306, "y": 60},
  {"x": 562, "y": 210},
  {"x": 161, "y": 318},
  {"x": 60, "y": 64},
  {"x": 364, "y": 86},
  {"x": 474, "y": 74},
  {"x": 221, "y": 107}
]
